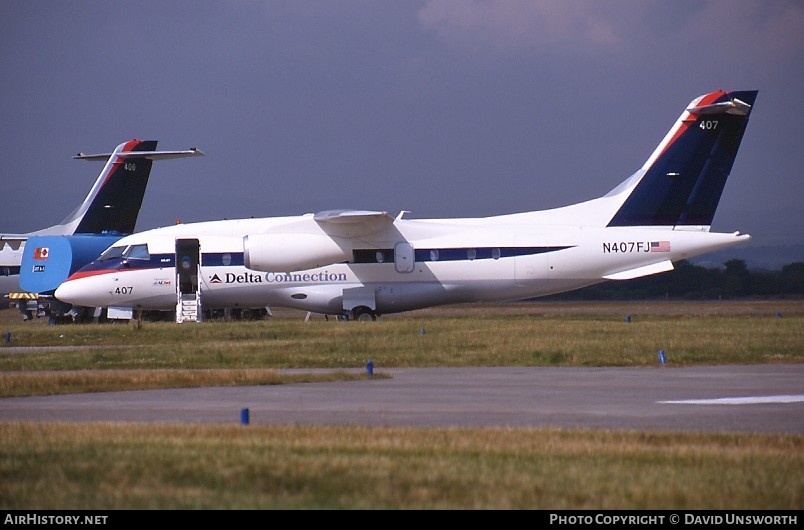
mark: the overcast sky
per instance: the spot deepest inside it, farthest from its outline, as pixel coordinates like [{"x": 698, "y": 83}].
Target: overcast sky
[{"x": 446, "y": 108}]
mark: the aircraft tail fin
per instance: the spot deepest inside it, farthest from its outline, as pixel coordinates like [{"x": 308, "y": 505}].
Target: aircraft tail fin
[
  {"x": 681, "y": 183},
  {"x": 113, "y": 203}
]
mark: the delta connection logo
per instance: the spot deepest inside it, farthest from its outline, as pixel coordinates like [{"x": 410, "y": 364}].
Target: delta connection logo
[
  {"x": 279, "y": 277},
  {"x": 230, "y": 277}
]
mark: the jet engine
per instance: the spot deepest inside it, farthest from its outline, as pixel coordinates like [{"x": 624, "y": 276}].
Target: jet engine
[{"x": 291, "y": 252}]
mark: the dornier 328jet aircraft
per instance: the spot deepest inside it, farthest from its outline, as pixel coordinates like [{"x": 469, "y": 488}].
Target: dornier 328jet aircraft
[{"x": 361, "y": 264}]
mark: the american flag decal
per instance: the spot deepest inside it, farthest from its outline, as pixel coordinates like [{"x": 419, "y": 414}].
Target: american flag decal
[
  {"x": 660, "y": 246},
  {"x": 40, "y": 253}
]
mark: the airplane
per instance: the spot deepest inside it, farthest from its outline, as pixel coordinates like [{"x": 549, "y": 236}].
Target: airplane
[
  {"x": 37, "y": 262},
  {"x": 361, "y": 264}
]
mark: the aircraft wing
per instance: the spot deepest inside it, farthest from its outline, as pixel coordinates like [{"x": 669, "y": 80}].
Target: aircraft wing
[
  {"x": 352, "y": 223},
  {"x": 14, "y": 241},
  {"x": 300, "y": 249},
  {"x": 353, "y": 216}
]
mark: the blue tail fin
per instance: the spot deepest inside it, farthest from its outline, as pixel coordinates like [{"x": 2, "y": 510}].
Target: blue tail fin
[
  {"x": 117, "y": 203},
  {"x": 113, "y": 203},
  {"x": 683, "y": 180}
]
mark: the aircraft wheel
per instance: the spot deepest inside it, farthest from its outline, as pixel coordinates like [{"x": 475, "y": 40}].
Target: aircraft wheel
[{"x": 364, "y": 314}]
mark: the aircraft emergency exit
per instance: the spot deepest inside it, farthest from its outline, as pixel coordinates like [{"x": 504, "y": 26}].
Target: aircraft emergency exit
[{"x": 361, "y": 264}]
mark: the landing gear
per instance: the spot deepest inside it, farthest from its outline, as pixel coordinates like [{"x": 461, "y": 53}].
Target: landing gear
[{"x": 363, "y": 314}]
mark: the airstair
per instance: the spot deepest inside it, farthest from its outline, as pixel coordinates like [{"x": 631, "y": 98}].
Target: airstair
[
  {"x": 188, "y": 288},
  {"x": 188, "y": 308}
]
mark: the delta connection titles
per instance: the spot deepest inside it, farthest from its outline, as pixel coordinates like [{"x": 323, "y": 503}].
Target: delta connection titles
[
  {"x": 674, "y": 518},
  {"x": 280, "y": 277},
  {"x": 34, "y": 518}
]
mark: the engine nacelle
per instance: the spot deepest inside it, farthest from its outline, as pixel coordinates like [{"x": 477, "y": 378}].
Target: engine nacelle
[{"x": 291, "y": 252}]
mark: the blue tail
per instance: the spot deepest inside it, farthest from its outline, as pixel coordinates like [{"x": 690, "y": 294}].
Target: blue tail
[
  {"x": 117, "y": 204},
  {"x": 683, "y": 180},
  {"x": 113, "y": 204}
]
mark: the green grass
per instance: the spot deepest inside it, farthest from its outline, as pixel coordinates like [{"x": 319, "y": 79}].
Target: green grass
[
  {"x": 124, "y": 466},
  {"x": 116, "y": 466},
  {"x": 36, "y": 383},
  {"x": 123, "y": 356}
]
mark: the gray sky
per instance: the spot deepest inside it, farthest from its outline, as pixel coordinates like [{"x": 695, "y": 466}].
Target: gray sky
[{"x": 446, "y": 108}]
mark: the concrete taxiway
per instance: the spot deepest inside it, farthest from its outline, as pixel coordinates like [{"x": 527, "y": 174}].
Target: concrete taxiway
[{"x": 754, "y": 398}]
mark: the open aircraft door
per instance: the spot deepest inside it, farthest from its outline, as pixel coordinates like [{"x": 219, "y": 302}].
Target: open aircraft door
[{"x": 188, "y": 294}]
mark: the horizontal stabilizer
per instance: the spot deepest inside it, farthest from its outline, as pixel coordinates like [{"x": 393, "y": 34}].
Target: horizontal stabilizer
[
  {"x": 647, "y": 270},
  {"x": 150, "y": 155},
  {"x": 735, "y": 106}
]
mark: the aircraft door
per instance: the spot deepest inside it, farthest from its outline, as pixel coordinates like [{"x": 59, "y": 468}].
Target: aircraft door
[
  {"x": 188, "y": 258},
  {"x": 535, "y": 266},
  {"x": 404, "y": 257}
]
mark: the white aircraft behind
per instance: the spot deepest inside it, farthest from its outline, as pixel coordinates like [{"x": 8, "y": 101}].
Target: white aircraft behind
[
  {"x": 361, "y": 264},
  {"x": 108, "y": 212}
]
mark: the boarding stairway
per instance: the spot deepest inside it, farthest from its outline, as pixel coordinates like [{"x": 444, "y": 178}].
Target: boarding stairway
[
  {"x": 188, "y": 287},
  {"x": 188, "y": 308}
]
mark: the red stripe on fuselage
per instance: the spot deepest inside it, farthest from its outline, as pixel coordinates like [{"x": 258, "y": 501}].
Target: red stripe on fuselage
[{"x": 77, "y": 275}]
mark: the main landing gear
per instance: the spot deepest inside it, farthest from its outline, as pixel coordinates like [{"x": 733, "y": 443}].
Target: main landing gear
[{"x": 362, "y": 314}]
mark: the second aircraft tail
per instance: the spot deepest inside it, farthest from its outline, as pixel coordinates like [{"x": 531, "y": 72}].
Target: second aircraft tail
[{"x": 113, "y": 203}]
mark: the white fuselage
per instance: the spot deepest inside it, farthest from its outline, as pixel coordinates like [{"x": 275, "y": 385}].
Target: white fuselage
[
  {"x": 434, "y": 262},
  {"x": 360, "y": 263}
]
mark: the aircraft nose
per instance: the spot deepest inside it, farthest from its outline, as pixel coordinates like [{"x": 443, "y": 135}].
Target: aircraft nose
[{"x": 70, "y": 293}]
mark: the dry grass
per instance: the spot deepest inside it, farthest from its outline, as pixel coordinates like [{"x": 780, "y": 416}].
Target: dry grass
[
  {"x": 321, "y": 467},
  {"x": 120, "y": 466},
  {"x": 50, "y": 383},
  {"x": 57, "y": 359}
]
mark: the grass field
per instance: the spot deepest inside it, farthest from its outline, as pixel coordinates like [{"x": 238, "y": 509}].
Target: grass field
[
  {"x": 119, "y": 466},
  {"x": 43, "y": 359}
]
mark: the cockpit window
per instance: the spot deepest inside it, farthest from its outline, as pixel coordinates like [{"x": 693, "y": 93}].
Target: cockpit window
[
  {"x": 137, "y": 252},
  {"x": 112, "y": 252}
]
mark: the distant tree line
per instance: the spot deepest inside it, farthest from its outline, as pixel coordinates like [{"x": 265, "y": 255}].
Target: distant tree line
[{"x": 693, "y": 282}]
